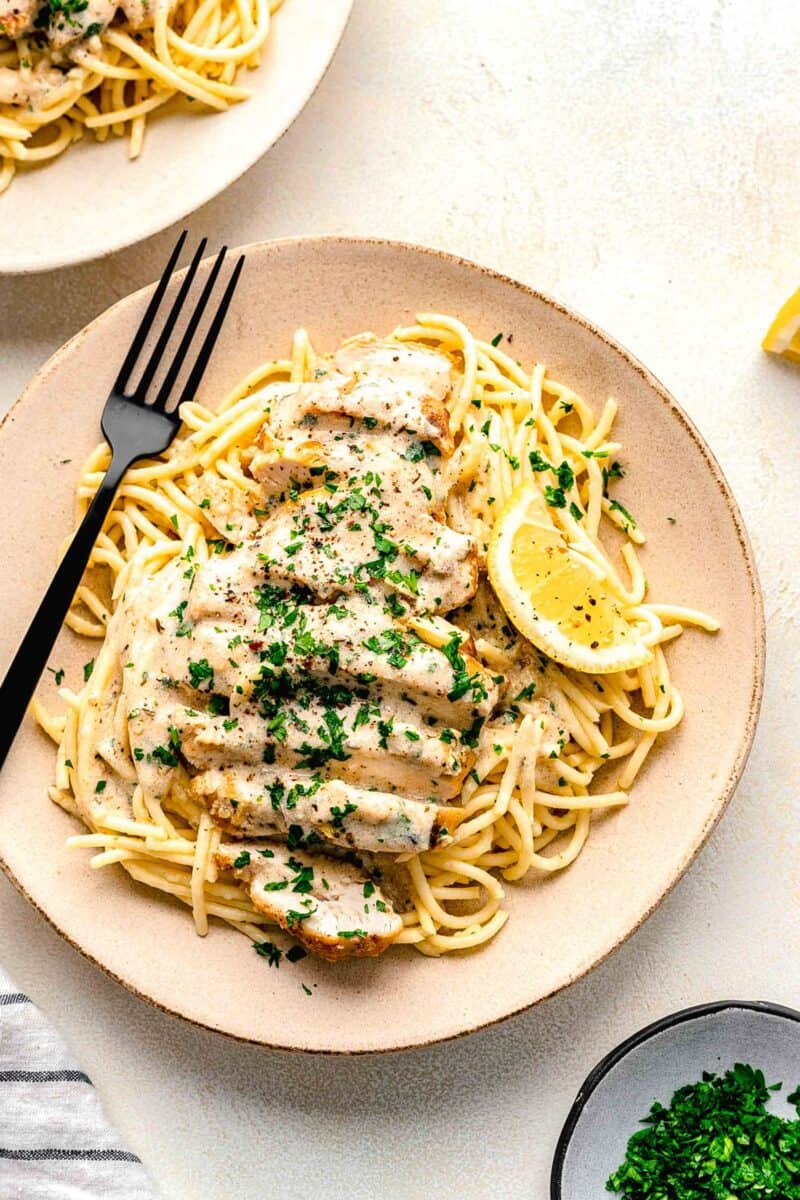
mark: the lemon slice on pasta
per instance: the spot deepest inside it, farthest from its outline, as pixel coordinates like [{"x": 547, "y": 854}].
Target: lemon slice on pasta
[
  {"x": 554, "y": 595},
  {"x": 783, "y": 336}
]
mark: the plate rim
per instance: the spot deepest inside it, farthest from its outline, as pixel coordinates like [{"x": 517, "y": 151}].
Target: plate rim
[
  {"x": 601, "y": 1069},
  {"x": 725, "y": 791},
  {"x": 31, "y": 266}
]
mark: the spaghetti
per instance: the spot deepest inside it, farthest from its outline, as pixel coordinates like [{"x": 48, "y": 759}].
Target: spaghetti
[
  {"x": 545, "y": 758},
  {"x": 64, "y": 74}
]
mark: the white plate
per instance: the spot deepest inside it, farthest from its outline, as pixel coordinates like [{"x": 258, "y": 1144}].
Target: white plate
[
  {"x": 559, "y": 927},
  {"x": 93, "y": 200}
]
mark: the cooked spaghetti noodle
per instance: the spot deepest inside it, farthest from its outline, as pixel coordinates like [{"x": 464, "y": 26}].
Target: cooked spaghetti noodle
[
  {"x": 64, "y": 74},
  {"x": 560, "y": 747}
]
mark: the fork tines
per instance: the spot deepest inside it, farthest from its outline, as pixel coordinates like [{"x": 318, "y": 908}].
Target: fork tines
[{"x": 139, "y": 395}]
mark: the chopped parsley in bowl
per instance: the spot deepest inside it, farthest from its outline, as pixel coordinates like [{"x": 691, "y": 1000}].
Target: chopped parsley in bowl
[{"x": 701, "y": 1105}]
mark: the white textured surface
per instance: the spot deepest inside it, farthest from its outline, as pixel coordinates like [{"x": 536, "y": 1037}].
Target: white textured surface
[{"x": 640, "y": 163}]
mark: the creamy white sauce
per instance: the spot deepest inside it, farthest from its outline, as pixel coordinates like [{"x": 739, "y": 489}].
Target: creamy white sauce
[
  {"x": 71, "y": 32},
  {"x": 284, "y": 673}
]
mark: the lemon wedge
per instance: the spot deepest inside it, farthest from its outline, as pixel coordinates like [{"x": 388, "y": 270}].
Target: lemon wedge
[
  {"x": 783, "y": 335},
  {"x": 554, "y": 595}
]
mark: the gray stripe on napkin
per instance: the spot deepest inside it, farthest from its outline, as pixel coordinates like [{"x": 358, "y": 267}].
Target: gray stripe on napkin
[{"x": 55, "y": 1141}]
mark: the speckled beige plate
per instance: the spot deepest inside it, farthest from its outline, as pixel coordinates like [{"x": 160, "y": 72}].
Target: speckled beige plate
[
  {"x": 559, "y": 927},
  {"x": 188, "y": 157}
]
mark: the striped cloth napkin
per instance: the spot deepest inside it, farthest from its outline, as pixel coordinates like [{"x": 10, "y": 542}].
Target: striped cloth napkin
[{"x": 55, "y": 1142}]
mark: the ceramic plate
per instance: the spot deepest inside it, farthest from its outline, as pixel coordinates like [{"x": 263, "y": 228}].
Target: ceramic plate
[
  {"x": 652, "y": 1064},
  {"x": 560, "y": 926},
  {"x": 187, "y": 157}
]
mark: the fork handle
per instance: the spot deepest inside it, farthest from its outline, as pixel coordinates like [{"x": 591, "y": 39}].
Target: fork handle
[{"x": 31, "y": 658}]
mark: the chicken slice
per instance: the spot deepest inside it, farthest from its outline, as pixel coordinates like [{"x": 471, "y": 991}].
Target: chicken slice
[
  {"x": 71, "y": 23},
  {"x": 402, "y": 383},
  {"x": 227, "y": 507},
  {"x": 376, "y": 753},
  {"x": 330, "y": 452},
  {"x": 382, "y": 402},
  {"x": 354, "y": 638},
  {"x": 264, "y": 802},
  {"x": 327, "y": 543},
  {"x": 332, "y": 908},
  {"x": 17, "y": 16},
  {"x": 400, "y": 388}
]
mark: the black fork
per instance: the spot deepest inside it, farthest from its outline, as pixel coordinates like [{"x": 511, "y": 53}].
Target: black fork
[{"x": 135, "y": 426}]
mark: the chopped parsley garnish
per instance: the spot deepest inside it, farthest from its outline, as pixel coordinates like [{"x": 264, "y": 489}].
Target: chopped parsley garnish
[
  {"x": 168, "y": 755},
  {"x": 538, "y": 462},
  {"x": 87, "y": 670},
  {"x": 615, "y": 471},
  {"x": 58, "y": 675},
  {"x": 384, "y": 731},
  {"x": 242, "y": 859},
  {"x": 393, "y": 606},
  {"x": 294, "y": 837},
  {"x": 165, "y": 756},
  {"x": 469, "y": 737},
  {"x": 339, "y": 814},
  {"x": 555, "y": 497},
  {"x": 629, "y": 522},
  {"x": 365, "y": 714},
  {"x": 420, "y": 450},
  {"x": 396, "y": 645},
  {"x": 332, "y": 737},
  {"x": 182, "y": 630},
  {"x": 270, "y": 952},
  {"x": 565, "y": 476},
  {"x": 303, "y": 880},
  {"x": 463, "y": 682},
  {"x": 201, "y": 672},
  {"x": 715, "y": 1141},
  {"x": 60, "y": 13},
  {"x": 293, "y": 917}
]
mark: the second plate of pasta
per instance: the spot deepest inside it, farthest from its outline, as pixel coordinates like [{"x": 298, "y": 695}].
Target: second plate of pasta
[
  {"x": 156, "y": 108},
  {"x": 406, "y": 650}
]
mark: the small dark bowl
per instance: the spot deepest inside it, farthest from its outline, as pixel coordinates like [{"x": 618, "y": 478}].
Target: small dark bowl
[{"x": 651, "y": 1064}]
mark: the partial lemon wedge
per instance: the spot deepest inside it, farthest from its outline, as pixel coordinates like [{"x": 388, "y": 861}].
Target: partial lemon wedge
[
  {"x": 554, "y": 595},
  {"x": 783, "y": 335}
]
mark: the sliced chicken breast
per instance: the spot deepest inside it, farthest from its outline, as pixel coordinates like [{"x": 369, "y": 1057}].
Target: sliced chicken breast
[
  {"x": 17, "y": 17},
  {"x": 289, "y": 676},
  {"x": 333, "y": 908},
  {"x": 263, "y": 802}
]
